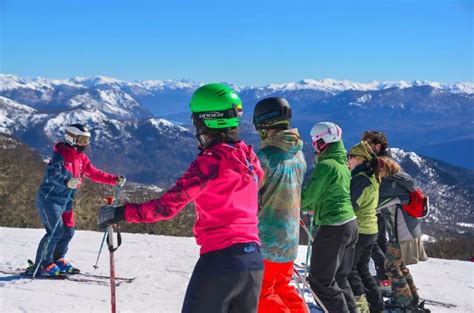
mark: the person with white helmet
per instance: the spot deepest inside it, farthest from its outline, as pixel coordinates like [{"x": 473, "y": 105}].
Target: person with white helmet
[
  {"x": 63, "y": 176},
  {"x": 328, "y": 194}
]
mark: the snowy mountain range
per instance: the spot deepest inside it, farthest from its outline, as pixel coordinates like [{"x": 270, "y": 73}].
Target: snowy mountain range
[
  {"x": 131, "y": 137},
  {"x": 420, "y": 116}
]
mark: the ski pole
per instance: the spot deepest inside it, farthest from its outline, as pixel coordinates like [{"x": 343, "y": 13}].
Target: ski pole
[
  {"x": 307, "y": 231},
  {"x": 110, "y": 241},
  {"x": 116, "y": 194},
  {"x": 315, "y": 297},
  {"x": 52, "y": 233},
  {"x": 308, "y": 247}
]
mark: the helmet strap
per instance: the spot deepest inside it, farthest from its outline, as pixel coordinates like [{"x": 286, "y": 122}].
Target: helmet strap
[
  {"x": 201, "y": 140},
  {"x": 319, "y": 146},
  {"x": 263, "y": 133}
]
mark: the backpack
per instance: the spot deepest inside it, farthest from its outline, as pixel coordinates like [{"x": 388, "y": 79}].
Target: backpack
[{"x": 419, "y": 205}]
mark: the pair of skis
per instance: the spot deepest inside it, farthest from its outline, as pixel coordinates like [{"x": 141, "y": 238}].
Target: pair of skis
[{"x": 87, "y": 278}]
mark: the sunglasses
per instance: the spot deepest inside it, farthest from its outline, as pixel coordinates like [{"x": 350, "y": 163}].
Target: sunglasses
[{"x": 350, "y": 156}]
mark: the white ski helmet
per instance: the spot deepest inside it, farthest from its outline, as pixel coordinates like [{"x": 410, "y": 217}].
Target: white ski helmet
[
  {"x": 324, "y": 133},
  {"x": 77, "y": 135}
]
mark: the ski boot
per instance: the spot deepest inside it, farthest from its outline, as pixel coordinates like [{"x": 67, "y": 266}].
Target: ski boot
[
  {"x": 394, "y": 307},
  {"x": 66, "y": 267},
  {"x": 49, "y": 271},
  {"x": 52, "y": 270},
  {"x": 420, "y": 307}
]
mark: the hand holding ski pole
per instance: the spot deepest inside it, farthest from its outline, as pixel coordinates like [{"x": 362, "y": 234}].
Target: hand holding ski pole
[
  {"x": 109, "y": 215},
  {"x": 111, "y": 203}
]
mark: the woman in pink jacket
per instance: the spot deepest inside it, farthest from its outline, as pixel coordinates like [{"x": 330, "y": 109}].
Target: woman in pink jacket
[{"x": 223, "y": 184}]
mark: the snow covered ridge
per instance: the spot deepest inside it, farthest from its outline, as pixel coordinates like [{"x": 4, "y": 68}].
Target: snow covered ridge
[
  {"x": 399, "y": 154},
  {"x": 335, "y": 86},
  {"x": 9, "y": 82}
]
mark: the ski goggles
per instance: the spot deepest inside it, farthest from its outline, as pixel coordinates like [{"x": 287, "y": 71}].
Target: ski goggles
[{"x": 83, "y": 140}]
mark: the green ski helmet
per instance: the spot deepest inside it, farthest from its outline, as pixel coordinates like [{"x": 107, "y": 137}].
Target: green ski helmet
[{"x": 215, "y": 106}]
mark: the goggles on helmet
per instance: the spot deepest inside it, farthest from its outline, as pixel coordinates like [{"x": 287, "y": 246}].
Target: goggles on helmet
[{"x": 83, "y": 140}]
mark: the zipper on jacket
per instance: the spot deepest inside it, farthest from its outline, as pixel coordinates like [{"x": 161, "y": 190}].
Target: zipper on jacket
[{"x": 46, "y": 197}]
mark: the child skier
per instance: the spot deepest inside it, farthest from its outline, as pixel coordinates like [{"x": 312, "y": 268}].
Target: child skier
[
  {"x": 404, "y": 237},
  {"x": 365, "y": 182},
  {"x": 64, "y": 175},
  {"x": 284, "y": 167},
  {"x": 223, "y": 184},
  {"x": 327, "y": 193}
]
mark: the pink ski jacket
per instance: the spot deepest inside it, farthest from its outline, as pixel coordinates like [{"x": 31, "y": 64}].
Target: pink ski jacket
[{"x": 223, "y": 184}]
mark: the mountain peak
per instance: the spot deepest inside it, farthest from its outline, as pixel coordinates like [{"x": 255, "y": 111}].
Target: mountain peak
[{"x": 330, "y": 85}]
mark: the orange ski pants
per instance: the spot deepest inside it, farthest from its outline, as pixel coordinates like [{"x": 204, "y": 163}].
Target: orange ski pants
[{"x": 277, "y": 295}]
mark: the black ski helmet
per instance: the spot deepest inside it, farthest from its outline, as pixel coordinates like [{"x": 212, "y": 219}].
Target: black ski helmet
[{"x": 272, "y": 113}]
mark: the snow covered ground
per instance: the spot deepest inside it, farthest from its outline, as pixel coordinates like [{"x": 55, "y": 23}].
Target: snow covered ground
[{"x": 163, "y": 266}]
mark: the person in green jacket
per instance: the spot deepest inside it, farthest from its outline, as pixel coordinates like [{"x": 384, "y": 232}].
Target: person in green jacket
[
  {"x": 328, "y": 194},
  {"x": 365, "y": 182}
]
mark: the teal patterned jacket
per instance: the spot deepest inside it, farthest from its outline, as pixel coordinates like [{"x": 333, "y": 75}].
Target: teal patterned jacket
[{"x": 279, "y": 195}]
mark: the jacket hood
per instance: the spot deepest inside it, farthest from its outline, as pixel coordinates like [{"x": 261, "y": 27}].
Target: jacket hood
[
  {"x": 239, "y": 151},
  {"x": 404, "y": 180},
  {"x": 363, "y": 150},
  {"x": 288, "y": 140},
  {"x": 335, "y": 151}
]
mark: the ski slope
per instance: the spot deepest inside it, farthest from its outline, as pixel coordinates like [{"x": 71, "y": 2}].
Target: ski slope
[{"x": 163, "y": 266}]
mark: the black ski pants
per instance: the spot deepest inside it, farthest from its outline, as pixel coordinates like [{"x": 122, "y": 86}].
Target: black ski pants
[
  {"x": 331, "y": 263},
  {"x": 380, "y": 248},
  {"x": 361, "y": 279},
  {"x": 226, "y": 281}
]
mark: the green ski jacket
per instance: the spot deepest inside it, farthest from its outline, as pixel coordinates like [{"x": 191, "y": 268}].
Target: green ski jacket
[{"x": 328, "y": 190}]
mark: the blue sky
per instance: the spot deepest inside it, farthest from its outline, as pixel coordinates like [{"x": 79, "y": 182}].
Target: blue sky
[{"x": 242, "y": 42}]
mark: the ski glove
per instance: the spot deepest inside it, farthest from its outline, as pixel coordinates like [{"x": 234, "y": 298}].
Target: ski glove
[
  {"x": 121, "y": 180},
  {"x": 73, "y": 183},
  {"x": 109, "y": 215}
]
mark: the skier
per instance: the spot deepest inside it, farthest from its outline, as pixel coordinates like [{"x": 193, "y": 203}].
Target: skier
[
  {"x": 327, "y": 193},
  {"x": 284, "y": 167},
  {"x": 404, "y": 234},
  {"x": 223, "y": 184},
  {"x": 379, "y": 144},
  {"x": 64, "y": 175},
  {"x": 365, "y": 182}
]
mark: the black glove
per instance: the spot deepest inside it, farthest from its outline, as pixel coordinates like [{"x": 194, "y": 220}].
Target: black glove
[{"x": 109, "y": 215}]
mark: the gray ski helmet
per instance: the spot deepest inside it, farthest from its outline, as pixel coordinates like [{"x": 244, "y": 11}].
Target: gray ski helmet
[
  {"x": 77, "y": 135},
  {"x": 272, "y": 112}
]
